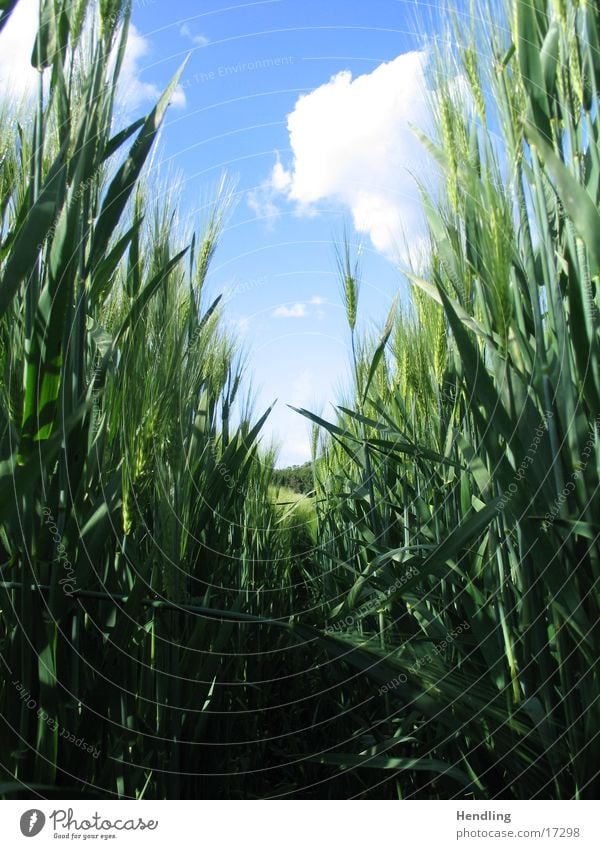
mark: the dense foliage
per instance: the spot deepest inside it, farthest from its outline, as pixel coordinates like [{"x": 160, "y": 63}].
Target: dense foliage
[
  {"x": 463, "y": 484},
  {"x": 297, "y": 478}
]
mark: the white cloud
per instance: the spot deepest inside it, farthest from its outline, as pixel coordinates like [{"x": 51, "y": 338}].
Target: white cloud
[
  {"x": 134, "y": 93},
  {"x": 352, "y": 143},
  {"x": 262, "y": 199},
  {"x": 18, "y": 79},
  {"x": 261, "y": 202},
  {"x": 281, "y": 180},
  {"x": 295, "y": 311},
  {"x": 241, "y": 324},
  {"x": 199, "y": 40},
  {"x": 300, "y": 309}
]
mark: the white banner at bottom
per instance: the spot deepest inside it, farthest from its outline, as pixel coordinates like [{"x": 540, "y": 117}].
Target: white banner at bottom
[{"x": 300, "y": 824}]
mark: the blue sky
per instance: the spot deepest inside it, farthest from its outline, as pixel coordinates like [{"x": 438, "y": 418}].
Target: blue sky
[{"x": 307, "y": 106}]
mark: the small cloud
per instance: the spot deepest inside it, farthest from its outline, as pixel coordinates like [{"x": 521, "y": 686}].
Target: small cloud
[
  {"x": 262, "y": 203},
  {"x": 178, "y": 99},
  {"x": 318, "y": 301},
  {"x": 198, "y": 40},
  {"x": 300, "y": 309},
  {"x": 133, "y": 92},
  {"x": 241, "y": 324},
  {"x": 281, "y": 180},
  {"x": 262, "y": 199},
  {"x": 295, "y": 311}
]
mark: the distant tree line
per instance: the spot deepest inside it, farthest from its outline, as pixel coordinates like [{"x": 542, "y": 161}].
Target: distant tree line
[{"x": 297, "y": 478}]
